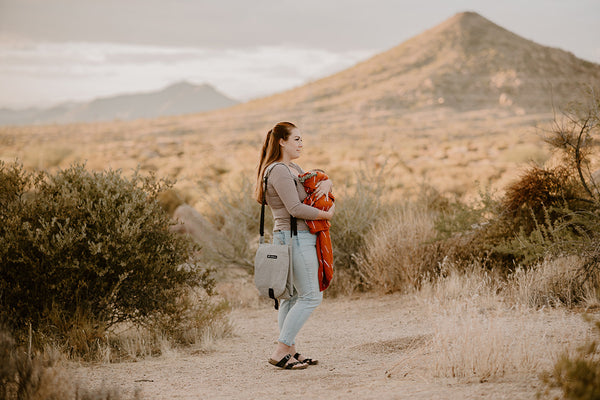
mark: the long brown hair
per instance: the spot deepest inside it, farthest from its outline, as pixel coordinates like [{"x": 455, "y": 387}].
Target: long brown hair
[{"x": 270, "y": 153}]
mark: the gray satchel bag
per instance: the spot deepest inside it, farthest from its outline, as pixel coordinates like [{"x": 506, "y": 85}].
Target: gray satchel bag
[{"x": 273, "y": 272}]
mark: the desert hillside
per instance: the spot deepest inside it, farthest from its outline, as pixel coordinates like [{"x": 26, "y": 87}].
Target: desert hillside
[{"x": 460, "y": 105}]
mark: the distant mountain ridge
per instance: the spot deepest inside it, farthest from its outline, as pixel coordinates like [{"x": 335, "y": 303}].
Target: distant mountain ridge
[{"x": 179, "y": 98}]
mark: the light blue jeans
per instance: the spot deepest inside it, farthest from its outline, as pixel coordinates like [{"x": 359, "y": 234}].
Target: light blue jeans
[{"x": 294, "y": 312}]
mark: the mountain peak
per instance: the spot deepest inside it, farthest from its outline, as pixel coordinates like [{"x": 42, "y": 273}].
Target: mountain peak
[
  {"x": 470, "y": 30},
  {"x": 467, "y": 16},
  {"x": 185, "y": 86}
]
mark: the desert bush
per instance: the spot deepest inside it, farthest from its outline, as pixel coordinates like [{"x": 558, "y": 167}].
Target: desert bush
[
  {"x": 556, "y": 210},
  {"x": 541, "y": 215},
  {"x": 81, "y": 249},
  {"x": 547, "y": 211}
]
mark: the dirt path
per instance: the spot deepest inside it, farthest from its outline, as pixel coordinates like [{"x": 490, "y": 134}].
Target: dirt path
[{"x": 362, "y": 346}]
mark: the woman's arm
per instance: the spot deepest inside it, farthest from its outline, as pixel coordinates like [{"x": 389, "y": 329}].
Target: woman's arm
[
  {"x": 327, "y": 214},
  {"x": 285, "y": 186}
]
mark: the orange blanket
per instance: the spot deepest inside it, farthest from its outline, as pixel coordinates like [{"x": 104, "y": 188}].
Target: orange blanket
[{"x": 320, "y": 227}]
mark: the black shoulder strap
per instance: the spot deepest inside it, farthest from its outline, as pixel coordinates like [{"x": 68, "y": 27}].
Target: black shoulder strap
[{"x": 293, "y": 223}]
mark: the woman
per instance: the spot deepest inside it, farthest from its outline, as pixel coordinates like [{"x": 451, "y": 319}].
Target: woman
[{"x": 284, "y": 197}]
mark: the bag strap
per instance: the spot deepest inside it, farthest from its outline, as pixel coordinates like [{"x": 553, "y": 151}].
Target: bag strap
[
  {"x": 293, "y": 222},
  {"x": 272, "y": 296}
]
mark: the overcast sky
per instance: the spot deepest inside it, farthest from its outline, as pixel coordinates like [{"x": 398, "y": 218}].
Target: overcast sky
[{"x": 59, "y": 50}]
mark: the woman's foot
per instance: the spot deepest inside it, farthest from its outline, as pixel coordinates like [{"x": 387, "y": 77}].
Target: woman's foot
[
  {"x": 305, "y": 360},
  {"x": 288, "y": 362},
  {"x": 282, "y": 357}
]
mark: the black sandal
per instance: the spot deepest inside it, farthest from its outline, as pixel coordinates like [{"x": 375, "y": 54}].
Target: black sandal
[
  {"x": 308, "y": 361},
  {"x": 283, "y": 363}
]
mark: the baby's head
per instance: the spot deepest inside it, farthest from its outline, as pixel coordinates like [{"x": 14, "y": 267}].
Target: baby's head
[{"x": 318, "y": 174}]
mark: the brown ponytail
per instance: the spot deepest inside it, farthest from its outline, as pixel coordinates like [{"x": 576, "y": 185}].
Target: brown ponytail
[{"x": 270, "y": 153}]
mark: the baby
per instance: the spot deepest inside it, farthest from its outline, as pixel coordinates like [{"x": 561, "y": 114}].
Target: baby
[{"x": 320, "y": 227}]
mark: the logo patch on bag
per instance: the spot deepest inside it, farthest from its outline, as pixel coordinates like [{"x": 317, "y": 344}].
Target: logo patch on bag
[{"x": 272, "y": 256}]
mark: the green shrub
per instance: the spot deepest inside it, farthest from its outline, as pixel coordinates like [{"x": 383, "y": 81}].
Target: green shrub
[
  {"x": 87, "y": 246},
  {"x": 465, "y": 232}
]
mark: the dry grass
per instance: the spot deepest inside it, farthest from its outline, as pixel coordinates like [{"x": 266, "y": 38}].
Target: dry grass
[
  {"x": 397, "y": 255},
  {"x": 479, "y": 334},
  {"x": 199, "y": 322},
  {"x": 202, "y": 321},
  {"x": 554, "y": 283},
  {"x": 470, "y": 342},
  {"x": 43, "y": 377},
  {"x": 44, "y": 156}
]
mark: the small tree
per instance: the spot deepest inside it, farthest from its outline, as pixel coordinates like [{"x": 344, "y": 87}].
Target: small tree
[{"x": 574, "y": 136}]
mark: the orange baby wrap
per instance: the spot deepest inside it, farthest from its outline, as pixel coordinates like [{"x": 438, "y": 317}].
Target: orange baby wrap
[{"x": 320, "y": 227}]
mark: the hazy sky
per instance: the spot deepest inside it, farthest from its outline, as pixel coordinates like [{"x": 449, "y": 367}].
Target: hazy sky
[{"x": 57, "y": 50}]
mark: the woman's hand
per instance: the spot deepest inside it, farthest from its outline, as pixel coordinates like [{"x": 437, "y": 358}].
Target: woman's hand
[{"x": 323, "y": 188}]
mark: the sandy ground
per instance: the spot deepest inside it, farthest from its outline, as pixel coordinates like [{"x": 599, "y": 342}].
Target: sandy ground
[{"x": 364, "y": 346}]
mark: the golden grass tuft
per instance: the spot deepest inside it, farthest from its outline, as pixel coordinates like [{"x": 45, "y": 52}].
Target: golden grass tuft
[
  {"x": 396, "y": 254},
  {"x": 554, "y": 282}
]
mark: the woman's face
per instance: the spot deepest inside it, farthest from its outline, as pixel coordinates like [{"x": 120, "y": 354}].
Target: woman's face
[{"x": 293, "y": 145}]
